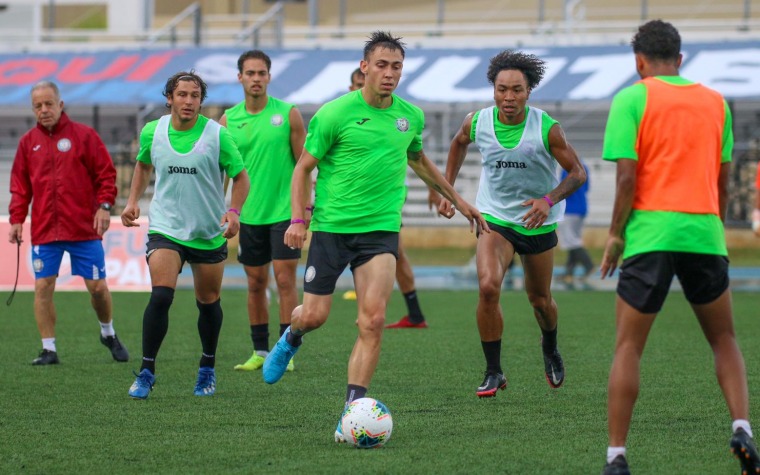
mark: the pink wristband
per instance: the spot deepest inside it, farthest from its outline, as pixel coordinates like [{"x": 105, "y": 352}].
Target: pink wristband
[
  {"x": 310, "y": 209},
  {"x": 297, "y": 220},
  {"x": 233, "y": 210},
  {"x": 548, "y": 200}
]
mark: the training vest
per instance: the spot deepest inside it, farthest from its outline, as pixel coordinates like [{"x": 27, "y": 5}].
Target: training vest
[
  {"x": 677, "y": 175},
  {"x": 511, "y": 176},
  {"x": 188, "y": 201}
]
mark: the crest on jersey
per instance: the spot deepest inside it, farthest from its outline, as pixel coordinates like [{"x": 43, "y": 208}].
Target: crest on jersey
[
  {"x": 276, "y": 120},
  {"x": 64, "y": 145},
  {"x": 402, "y": 124}
]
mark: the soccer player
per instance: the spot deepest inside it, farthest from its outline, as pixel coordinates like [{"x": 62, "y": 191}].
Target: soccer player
[
  {"x": 361, "y": 144},
  {"x": 671, "y": 139},
  {"x": 269, "y": 134},
  {"x": 404, "y": 273},
  {"x": 65, "y": 172},
  {"x": 521, "y": 198},
  {"x": 187, "y": 220}
]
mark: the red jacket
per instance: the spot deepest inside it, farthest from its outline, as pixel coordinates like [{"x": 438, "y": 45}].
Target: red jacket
[{"x": 69, "y": 173}]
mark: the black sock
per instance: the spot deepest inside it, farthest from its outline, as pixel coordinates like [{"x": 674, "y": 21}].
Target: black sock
[
  {"x": 294, "y": 339},
  {"x": 549, "y": 340},
  {"x": 209, "y": 325},
  {"x": 260, "y": 337},
  {"x": 354, "y": 392},
  {"x": 413, "y": 306},
  {"x": 283, "y": 327},
  {"x": 492, "y": 352},
  {"x": 155, "y": 325}
]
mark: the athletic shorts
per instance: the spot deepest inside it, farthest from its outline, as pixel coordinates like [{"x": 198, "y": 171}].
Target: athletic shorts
[
  {"x": 87, "y": 258},
  {"x": 645, "y": 278},
  {"x": 259, "y": 244},
  {"x": 186, "y": 253},
  {"x": 330, "y": 253},
  {"x": 524, "y": 244}
]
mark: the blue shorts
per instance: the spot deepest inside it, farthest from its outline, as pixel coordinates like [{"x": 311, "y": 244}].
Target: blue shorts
[{"x": 87, "y": 258}]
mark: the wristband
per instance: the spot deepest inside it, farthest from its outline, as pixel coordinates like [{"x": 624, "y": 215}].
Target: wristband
[
  {"x": 310, "y": 209},
  {"x": 233, "y": 210},
  {"x": 297, "y": 220},
  {"x": 548, "y": 200}
]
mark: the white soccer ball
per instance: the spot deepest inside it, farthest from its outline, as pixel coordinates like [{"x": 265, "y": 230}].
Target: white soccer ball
[{"x": 367, "y": 423}]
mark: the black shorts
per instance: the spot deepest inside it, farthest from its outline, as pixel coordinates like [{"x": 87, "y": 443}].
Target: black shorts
[
  {"x": 526, "y": 244},
  {"x": 259, "y": 244},
  {"x": 330, "y": 253},
  {"x": 645, "y": 278},
  {"x": 187, "y": 254}
]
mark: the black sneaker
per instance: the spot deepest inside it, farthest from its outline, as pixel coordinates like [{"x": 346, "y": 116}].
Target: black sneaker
[
  {"x": 744, "y": 448},
  {"x": 618, "y": 466},
  {"x": 492, "y": 383},
  {"x": 118, "y": 351},
  {"x": 554, "y": 369},
  {"x": 46, "y": 357}
]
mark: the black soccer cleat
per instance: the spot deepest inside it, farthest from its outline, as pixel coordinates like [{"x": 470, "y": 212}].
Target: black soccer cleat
[
  {"x": 618, "y": 466},
  {"x": 491, "y": 383},
  {"x": 744, "y": 448},
  {"x": 118, "y": 351},
  {"x": 554, "y": 369},
  {"x": 46, "y": 357}
]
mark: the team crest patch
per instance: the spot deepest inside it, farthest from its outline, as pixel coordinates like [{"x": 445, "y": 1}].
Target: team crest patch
[
  {"x": 311, "y": 272},
  {"x": 64, "y": 145},
  {"x": 276, "y": 120},
  {"x": 402, "y": 124},
  {"x": 38, "y": 265}
]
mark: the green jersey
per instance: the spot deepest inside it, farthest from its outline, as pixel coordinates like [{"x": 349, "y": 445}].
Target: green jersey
[
  {"x": 182, "y": 204},
  {"x": 264, "y": 142},
  {"x": 650, "y": 231},
  {"x": 362, "y": 153}
]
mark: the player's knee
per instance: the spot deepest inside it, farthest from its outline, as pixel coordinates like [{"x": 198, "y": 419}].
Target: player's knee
[
  {"x": 161, "y": 297},
  {"x": 540, "y": 302},
  {"x": 490, "y": 290},
  {"x": 99, "y": 290}
]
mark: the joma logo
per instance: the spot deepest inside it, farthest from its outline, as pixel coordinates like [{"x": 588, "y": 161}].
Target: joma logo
[
  {"x": 183, "y": 170},
  {"x": 503, "y": 164}
]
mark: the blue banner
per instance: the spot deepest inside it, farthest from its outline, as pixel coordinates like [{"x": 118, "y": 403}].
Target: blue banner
[{"x": 585, "y": 73}]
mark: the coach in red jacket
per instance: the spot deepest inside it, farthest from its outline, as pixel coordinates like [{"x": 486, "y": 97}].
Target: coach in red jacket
[{"x": 66, "y": 170}]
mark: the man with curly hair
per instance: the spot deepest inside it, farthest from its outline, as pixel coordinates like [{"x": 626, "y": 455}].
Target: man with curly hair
[
  {"x": 671, "y": 140},
  {"x": 520, "y": 197},
  {"x": 187, "y": 221}
]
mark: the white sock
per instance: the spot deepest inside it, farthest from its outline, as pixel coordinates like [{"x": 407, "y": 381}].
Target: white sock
[
  {"x": 263, "y": 354},
  {"x": 744, "y": 424},
  {"x": 48, "y": 344},
  {"x": 613, "y": 452},
  {"x": 106, "y": 329}
]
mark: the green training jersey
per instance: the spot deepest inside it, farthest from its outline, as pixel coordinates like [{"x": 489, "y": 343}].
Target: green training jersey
[
  {"x": 362, "y": 153},
  {"x": 264, "y": 142},
  {"x": 510, "y": 136},
  {"x": 651, "y": 231},
  {"x": 183, "y": 142}
]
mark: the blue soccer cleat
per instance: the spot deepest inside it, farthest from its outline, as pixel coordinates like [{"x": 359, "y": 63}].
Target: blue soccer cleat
[
  {"x": 206, "y": 383},
  {"x": 277, "y": 360},
  {"x": 143, "y": 385}
]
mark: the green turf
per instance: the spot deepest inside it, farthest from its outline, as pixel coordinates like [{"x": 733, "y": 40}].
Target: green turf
[{"x": 77, "y": 417}]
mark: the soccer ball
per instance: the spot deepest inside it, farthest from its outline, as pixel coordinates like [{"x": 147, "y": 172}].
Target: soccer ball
[{"x": 367, "y": 423}]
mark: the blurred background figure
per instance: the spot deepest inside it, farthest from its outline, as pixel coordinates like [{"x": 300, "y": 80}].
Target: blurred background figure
[{"x": 570, "y": 232}]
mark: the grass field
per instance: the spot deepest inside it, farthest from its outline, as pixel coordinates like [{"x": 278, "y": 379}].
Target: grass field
[{"x": 77, "y": 417}]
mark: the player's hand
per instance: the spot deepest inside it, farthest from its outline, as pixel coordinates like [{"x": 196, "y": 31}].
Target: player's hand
[
  {"x": 232, "y": 220},
  {"x": 295, "y": 236},
  {"x": 477, "y": 221},
  {"x": 101, "y": 222},
  {"x": 130, "y": 215},
  {"x": 537, "y": 214},
  {"x": 445, "y": 208},
  {"x": 434, "y": 199},
  {"x": 612, "y": 252},
  {"x": 14, "y": 235}
]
